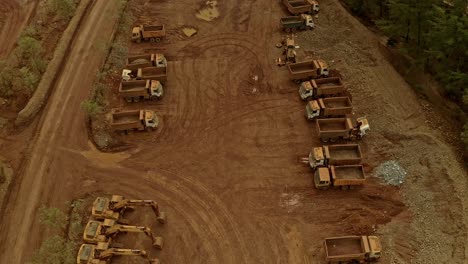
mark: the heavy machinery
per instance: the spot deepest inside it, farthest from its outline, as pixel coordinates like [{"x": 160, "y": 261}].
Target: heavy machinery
[
  {"x": 293, "y": 23},
  {"x": 134, "y": 62},
  {"x": 102, "y": 254},
  {"x": 328, "y": 107},
  {"x": 306, "y": 70},
  {"x": 297, "y": 7},
  {"x": 96, "y": 231},
  {"x": 344, "y": 177},
  {"x": 127, "y": 120},
  {"x": 289, "y": 52},
  {"x": 134, "y": 91},
  {"x": 331, "y": 129},
  {"x": 153, "y": 33},
  {"x": 322, "y": 87},
  {"x": 352, "y": 249},
  {"x": 343, "y": 154},
  {"x": 115, "y": 207}
]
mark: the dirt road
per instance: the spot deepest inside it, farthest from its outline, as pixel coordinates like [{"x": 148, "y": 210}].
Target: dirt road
[
  {"x": 44, "y": 177},
  {"x": 14, "y": 16},
  {"x": 224, "y": 162}
]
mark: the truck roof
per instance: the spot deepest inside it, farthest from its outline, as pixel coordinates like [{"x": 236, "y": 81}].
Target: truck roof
[
  {"x": 324, "y": 174},
  {"x": 318, "y": 153},
  {"x": 314, "y": 105}
]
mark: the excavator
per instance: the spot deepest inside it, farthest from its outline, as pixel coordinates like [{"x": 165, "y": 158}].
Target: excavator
[
  {"x": 102, "y": 254},
  {"x": 96, "y": 231},
  {"x": 289, "y": 52},
  {"x": 103, "y": 208}
]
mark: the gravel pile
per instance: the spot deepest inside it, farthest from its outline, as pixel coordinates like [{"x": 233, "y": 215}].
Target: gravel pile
[{"x": 391, "y": 172}]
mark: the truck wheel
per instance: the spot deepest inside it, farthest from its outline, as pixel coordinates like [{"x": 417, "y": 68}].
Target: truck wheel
[
  {"x": 138, "y": 41},
  {"x": 158, "y": 39},
  {"x": 293, "y": 30},
  {"x": 288, "y": 30}
]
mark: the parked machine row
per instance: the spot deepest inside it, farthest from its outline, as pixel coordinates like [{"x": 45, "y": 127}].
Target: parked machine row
[
  {"x": 329, "y": 105},
  {"x": 107, "y": 222}
]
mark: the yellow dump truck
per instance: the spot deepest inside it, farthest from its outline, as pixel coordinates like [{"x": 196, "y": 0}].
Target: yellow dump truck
[
  {"x": 306, "y": 70},
  {"x": 297, "y": 7},
  {"x": 134, "y": 62},
  {"x": 342, "y": 154},
  {"x": 352, "y": 249},
  {"x": 331, "y": 129},
  {"x": 322, "y": 87},
  {"x": 328, "y": 107},
  {"x": 134, "y": 91},
  {"x": 127, "y": 120},
  {"x": 344, "y": 177},
  {"x": 153, "y": 33}
]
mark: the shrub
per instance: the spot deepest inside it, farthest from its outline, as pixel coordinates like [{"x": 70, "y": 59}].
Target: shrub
[
  {"x": 62, "y": 8},
  {"x": 91, "y": 107},
  {"x": 55, "y": 250},
  {"x": 52, "y": 217}
]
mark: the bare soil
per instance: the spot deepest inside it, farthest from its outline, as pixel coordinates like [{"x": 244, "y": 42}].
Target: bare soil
[{"x": 224, "y": 162}]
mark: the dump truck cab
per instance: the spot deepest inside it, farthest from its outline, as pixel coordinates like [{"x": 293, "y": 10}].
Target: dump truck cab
[
  {"x": 136, "y": 33},
  {"x": 322, "y": 179},
  {"x": 149, "y": 118},
  {"x": 315, "y": 7},
  {"x": 313, "y": 109},
  {"x": 322, "y": 67},
  {"x": 308, "y": 21},
  {"x": 306, "y": 90},
  {"x": 126, "y": 75},
  {"x": 156, "y": 89},
  {"x": 160, "y": 60},
  {"x": 373, "y": 247},
  {"x": 362, "y": 126},
  {"x": 316, "y": 157}
]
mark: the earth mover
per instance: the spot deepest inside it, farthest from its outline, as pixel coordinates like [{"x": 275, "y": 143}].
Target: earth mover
[
  {"x": 293, "y": 23},
  {"x": 153, "y": 33},
  {"x": 352, "y": 249},
  {"x": 297, "y": 7},
  {"x": 344, "y": 177},
  {"x": 102, "y": 254},
  {"x": 115, "y": 207},
  {"x": 96, "y": 231},
  {"x": 332, "y": 129},
  {"x": 306, "y": 70},
  {"x": 134, "y": 91},
  {"x": 343, "y": 154},
  {"x": 323, "y": 87},
  {"x": 289, "y": 52},
  {"x": 127, "y": 120},
  {"x": 328, "y": 107},
  {"x": 134, "y": 62}
]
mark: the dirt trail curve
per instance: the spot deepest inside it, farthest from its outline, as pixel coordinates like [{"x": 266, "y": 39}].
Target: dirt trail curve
[
  {"x": 62, "y": 125},
  {"x": 14, "y": 15}
]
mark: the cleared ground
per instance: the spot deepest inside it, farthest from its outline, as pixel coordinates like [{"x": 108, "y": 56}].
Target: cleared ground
[{"x": 224, "y": 163}]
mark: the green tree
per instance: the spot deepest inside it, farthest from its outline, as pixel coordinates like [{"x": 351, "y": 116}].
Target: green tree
[
  {"x": 52, "y": 217},
  {"x": 91, "y": 107},
  {"x": 63, "y": 8}
]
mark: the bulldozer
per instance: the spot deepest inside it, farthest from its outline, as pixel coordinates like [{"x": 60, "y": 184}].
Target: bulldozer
[
  {"x": 289, "y": 52},
  {"x": 102, "y": 254},
  {"x": 96, "y": 232},
  {"x": 114, "y": 208}
]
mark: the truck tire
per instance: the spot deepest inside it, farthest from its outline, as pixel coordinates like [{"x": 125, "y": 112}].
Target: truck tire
[
  {"x": 288, "y": 30},
  {"x": 158, "y": 39},
  {"x": 138, "y": 41},
  {"x": 152, "y": 39}
]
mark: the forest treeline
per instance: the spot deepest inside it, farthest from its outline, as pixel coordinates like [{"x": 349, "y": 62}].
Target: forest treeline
[{"x": 434, "y": 33}]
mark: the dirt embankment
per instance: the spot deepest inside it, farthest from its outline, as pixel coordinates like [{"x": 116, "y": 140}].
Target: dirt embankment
[{"x": 37, "y": 101}]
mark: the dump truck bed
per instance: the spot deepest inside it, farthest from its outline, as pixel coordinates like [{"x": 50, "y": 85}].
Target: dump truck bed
[
  {"x": 345, "y": 154},
  {"x": 153, "y": 73},
  {"x": 139, "y": 61},
  {"x": 333, "y": 124},
  {"x": 125, "y": 120},
  {"x": 299, "y": 67},
  {"x": 132, "y": 85},
  {"x": 336, "y": 106},
  {"x": 291, "y": 20},
  {"x": 348, "y": 175},
  {"x": 296, "y": 7},
  {"x": 153, "y": 27},
  {"x": 344, "y": 248},
  {"x": 330, "y": 81}
]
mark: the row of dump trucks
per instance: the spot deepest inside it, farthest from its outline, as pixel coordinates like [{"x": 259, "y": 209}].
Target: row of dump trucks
[
  {"x": 143, "y": 78},
  {"x": 330, "y": 104}
]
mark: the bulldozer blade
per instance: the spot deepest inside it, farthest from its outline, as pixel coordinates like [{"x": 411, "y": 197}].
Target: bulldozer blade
[{"x": 158, "y": 242}]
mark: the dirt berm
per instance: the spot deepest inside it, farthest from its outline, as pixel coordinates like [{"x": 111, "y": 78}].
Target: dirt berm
[{"x": 53, "y": 68}]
